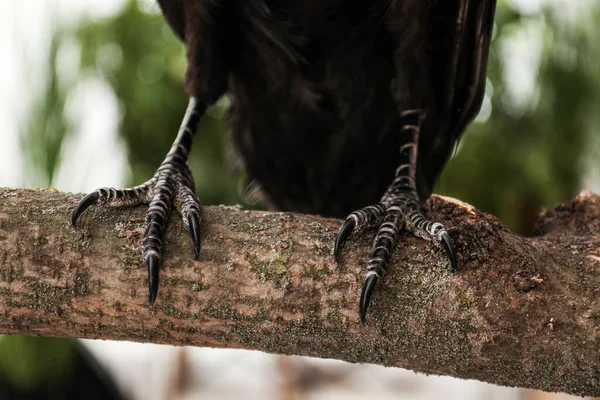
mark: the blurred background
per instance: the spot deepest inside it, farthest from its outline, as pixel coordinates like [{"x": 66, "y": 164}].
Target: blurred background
[{"x": 91, "y": 95}]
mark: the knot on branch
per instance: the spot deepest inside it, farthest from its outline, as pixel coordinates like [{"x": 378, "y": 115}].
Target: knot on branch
[{"x": 580, "y": 216}]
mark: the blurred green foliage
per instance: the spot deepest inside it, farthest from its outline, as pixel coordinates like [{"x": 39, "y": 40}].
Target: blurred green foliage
[
  {"x": 44, "y": 134},
  {"x": 529, "y": 152},
  {"x": 26, "y": 360}
]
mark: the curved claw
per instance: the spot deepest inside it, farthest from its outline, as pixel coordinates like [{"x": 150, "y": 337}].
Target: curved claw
[
  {"x": 195, "y": 233},
  {"x": 152, "y": 263},
  {"x": 343, "y": 235},
  {"x": 449, "y": 248},
  {"x": 365, "y": 296},
  {"x": 83, "y": 205}
]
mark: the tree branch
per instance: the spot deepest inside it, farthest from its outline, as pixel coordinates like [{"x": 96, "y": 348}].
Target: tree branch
[{"x": 519, "y": 312}]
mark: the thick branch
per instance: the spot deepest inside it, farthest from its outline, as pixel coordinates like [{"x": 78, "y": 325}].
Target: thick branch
[{"x": 519, "y": 312}]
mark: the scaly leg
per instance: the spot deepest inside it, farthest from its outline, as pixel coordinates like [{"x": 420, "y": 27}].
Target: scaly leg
[
  {"x": 398, "y": 208},
  {"x": 172, "y": 183}
]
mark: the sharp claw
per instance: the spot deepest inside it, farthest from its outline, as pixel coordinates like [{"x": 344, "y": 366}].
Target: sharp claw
[
  {"x": 343, "y": 235},
  {"x": 365, "y": 297},
  {"x": 83, "y": 205},
  {"x": 152, "y": 263},
  {"x": 449, "y": 247},
  {"x": 195, "y": 233}
]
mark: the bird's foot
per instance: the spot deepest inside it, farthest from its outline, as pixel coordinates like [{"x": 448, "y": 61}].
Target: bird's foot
[
  {"x": 395, "y": 212},
  {"x": 172, "y": 184}
]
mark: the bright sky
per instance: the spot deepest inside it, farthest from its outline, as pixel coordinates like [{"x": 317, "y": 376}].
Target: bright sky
[{"x": 24, "y": 29}]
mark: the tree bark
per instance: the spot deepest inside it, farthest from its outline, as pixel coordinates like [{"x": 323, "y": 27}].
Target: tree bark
[{"x": 518, "y": 312}]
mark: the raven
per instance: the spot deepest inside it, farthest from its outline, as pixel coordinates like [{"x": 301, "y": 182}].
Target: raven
[{"x": 342, "y": 109}]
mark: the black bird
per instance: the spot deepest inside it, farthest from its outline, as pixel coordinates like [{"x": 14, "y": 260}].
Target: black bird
[{"x": 343, "y": 109}]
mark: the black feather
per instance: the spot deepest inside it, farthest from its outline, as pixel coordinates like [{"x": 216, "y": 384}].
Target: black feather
[{"x": 317, "y": 88}]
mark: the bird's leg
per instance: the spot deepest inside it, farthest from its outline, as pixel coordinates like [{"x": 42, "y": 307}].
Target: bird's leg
[
  {"x": 398, "y": 208},
  {"x": 172, "y": 183}
]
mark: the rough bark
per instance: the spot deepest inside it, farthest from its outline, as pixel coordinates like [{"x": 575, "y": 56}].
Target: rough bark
[{"x": 519, "y": 312}]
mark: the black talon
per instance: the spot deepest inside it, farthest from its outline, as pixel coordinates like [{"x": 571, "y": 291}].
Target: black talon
[
  {"x": 343, "y": 235},
  {"x": 152, "y": 262},
  {"x": 365, "y": 296},
  {"x": 448, "y": 246},
  {"x": 195, "y": 233},
  {"x": 83, "y": 205}
]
